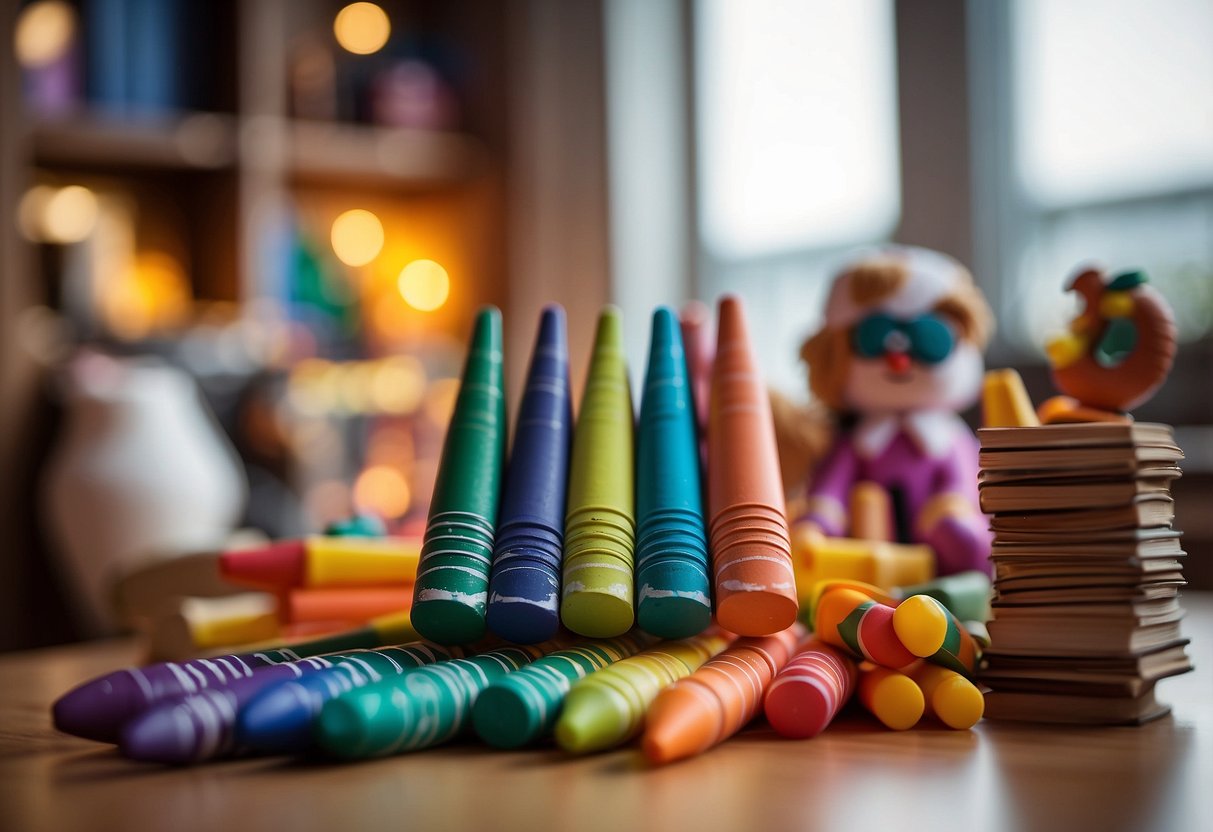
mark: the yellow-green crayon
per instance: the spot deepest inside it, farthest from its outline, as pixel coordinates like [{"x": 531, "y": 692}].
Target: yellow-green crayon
[
  {"x": 600, "y": 525},
  {"x": 608, "y": 708},
  {"x": 929, "y": 631},
  {"x": 949, "y": 697},
  {"x": 891, "y": 696},
  {"x": 450, "y": 595}
]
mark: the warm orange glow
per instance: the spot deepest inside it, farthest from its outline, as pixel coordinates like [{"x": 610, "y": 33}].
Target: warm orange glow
[
  {"x": 424, "y": 285},
  {"x": 440, "y": 400},
  {"x": 154, "y": 295},
  {"x": 382, "y": 489},
  {"x": 362, "y": 28},
  {"x": 392, "y": 446},
  {"x": 44, "y": 32},
  {"x": 357, "y": 237},
  {"x": 398, "y": 384}
]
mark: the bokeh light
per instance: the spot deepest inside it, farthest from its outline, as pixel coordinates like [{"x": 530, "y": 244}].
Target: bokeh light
[
  {"x": 357, "y": 237},
  {"x": 154, "y": 295},
  {"x": 362, "y": 28},
  {"x": 57, "y": 215},
  {"x": 424, "y": 285},
  {"x": 43, "y": 33},
  {"x": 398, "y": 384},
  {"x": 382, "y": 489}
]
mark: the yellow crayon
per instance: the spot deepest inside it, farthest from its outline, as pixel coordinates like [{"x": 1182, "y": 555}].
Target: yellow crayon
[
  {"x": 890, "y": 696},
  {"x": 1005, "y": 402},
  {"x": 948, "y": 696},
  {"x": 929, "y": 631}
]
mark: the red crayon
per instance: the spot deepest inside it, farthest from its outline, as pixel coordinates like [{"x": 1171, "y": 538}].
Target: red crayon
[
  {"x": 810, "y": 691},
  {"x": 863, "y": 627},
  {"x": 324, "y": 561}
]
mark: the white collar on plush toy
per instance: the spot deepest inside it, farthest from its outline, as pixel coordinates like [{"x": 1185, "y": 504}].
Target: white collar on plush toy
[{"x": 932, "y": 432}]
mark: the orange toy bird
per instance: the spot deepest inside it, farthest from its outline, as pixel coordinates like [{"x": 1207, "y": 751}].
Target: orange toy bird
[{"x": 1117, "y": 353}]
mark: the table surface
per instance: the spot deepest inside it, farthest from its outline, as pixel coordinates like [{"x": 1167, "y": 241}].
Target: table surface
[{"x": 854, "y": 776}]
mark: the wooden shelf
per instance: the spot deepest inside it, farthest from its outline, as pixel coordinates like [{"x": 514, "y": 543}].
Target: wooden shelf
[
  {"x": 195, "y": 141},
  {"x": 376, "y": 157}
]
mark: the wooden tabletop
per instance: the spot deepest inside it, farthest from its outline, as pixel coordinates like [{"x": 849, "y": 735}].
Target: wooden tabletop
[{"x": 856, "y": 776}]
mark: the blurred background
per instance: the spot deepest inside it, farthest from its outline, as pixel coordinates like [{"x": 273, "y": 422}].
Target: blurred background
[{"x": 243, "y": 241}]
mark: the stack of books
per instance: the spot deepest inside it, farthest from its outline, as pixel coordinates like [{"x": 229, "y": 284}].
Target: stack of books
[{"x": 1087, "y": 571}]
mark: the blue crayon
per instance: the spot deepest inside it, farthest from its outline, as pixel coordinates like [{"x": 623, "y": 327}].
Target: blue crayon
[
  {"x": 203, "y": 726},
  {"x": 524, "y": 590},
  {"x": 280, "y": 718},
  {"x": 673, "y": 584}
]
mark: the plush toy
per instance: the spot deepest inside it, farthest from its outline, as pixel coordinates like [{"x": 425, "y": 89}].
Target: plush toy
[{"x": 899, "y": 354}]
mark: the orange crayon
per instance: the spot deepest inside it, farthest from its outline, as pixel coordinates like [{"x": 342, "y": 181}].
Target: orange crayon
[
  {"x": 748, "y": 529},
  {"x": 301, "y": 606},
  {"x": 718, "y": 699},
  {"x": 891, "y": 696},
  {"x": 854, "y": 622}
]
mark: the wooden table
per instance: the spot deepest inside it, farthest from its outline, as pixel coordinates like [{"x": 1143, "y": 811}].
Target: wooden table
[{"x": 856, "y": 776}]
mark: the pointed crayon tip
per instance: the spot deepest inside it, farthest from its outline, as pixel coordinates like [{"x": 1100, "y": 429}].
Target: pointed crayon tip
[
  {"x": 609, "y": 336},
  {"x": 666, "y": 329},
  {"x": 155, "y": 737},
  {"x": 278, "y": 720},
  {"x": 551, "y": 326},
  {"x": 584, "y": 726},
  {"x": 97, "y": 709},
  {"x": 695, "y": 313},
  {"x": 486, "y": 331},
  {"x": 731, "y": 322},
  {"x": 679, "y": 724}
]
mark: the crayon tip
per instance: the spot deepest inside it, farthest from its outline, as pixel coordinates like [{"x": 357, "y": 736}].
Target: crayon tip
[
  {"x": 503, "y": 719},
  {"x": 278, "y": 721},
  {"x": 958, "y": 703},
  {"x": 695, "y": 313},
  {"x": 731, "y": 323},
  {"x": 609, "y": 336},
  {"x": 341, "y": 727},
  {"x": 551, "y": 325},
  {"x": 97, "y": 709},
  {"x": 276, "y": 565},
  {"x": 665, "y": 327},
  {"x": 921, "y": 624},
  {"x": 448, "y": 621},
  {"x": 155, "y": 736},
  {"x": 585, "y": 724},
  {"x": 486, "y": 333},
  {"x": 679, "y": 724}
]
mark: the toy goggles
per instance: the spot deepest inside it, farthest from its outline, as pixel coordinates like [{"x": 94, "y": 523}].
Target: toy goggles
[{"x": 926, "y": 338}]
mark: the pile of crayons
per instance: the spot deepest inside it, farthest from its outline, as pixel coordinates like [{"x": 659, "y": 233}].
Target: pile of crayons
[
  {"x": 578, "y": 595},
  {"x": 328, "y": 583}
]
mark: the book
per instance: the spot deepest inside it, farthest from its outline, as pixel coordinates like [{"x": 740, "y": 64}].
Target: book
[
  {"x": 1079, "y": 459},
  {"x": 1026, "y": 706},
  {"x": 1089, "y": 573},
  {"x": 1069, "y": 636},
  {"x": 1103, "y": 473},
  {"x": 1072, "y": 494},
  {"x": 1161, "y": 546},
  {"x": 1082, "y": 593},
  {"x": 1089, "y": 609},
  {"x": 1130, "y": 676},
  {"x": 1076, "y": 435},
  {"x": 1069, "y": 538},
  {"x": 1145, "y": 512}
]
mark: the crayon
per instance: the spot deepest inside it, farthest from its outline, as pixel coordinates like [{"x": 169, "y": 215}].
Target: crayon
[
  {"x": 695, "y": 320},
  {"x": 358, "y": 525},
  {"x": 522, "y": 707},
  {"x": 717, "y": 700},
  {"x": 673, "y": 585},
  {"x": 524, "y": 587},
  {"x": 608, "y": 708},
  {"x": 810, "y": 691},
  {"x": 965, "y": 594},
  {"x": 345, "y": 603},
  {"x": 863, "y": 627},
  {"x": 949, "y": 697},
  {"x": 1005, "y": 402},
  {"x": 820, "y": 588},
  {"x": 871, "y": 512},
  {"x": 202, "y": 625},
  {"x": 451, "y": 593},
  {"x": 600, "y": 525},
  {"x": 890, "y": 696},
  {"x": 203, "y": 726},
  {"x": 321, "y": 561},
  {"x": 97, "y": 709},
  {"x": 882, "y": 564},
  {"x": 418, "y": 709},
  {"x": 929, "y": 631},
  {"x": 751, "y": 552}
]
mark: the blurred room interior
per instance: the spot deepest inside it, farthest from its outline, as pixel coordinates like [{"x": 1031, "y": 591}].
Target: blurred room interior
[{"x": 298, "y": 206}]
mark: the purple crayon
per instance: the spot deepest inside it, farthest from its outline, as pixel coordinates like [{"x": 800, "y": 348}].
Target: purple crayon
[
  {"x": 524, "y": 590},
  {"x": 202, "y": 726},
  {"x": 97, "y": 709}
]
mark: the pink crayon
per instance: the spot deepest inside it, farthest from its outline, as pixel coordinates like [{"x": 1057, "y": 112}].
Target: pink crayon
[
  {"x": 863, "y": 627},
  {"x": 810, "y": 690}
]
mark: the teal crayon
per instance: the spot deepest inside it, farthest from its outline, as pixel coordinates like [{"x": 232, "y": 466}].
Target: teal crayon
[
  {"x": 522, "y": 707},
  {"x": 672, "y": 564},
  {"x": 450, "y": 595},
  {"x": 418, "y": 709}
]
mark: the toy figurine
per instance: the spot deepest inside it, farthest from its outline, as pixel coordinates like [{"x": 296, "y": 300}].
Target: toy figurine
[
  {"x": 899, "y": 354},
  {"x": 1117, "y": 353}
]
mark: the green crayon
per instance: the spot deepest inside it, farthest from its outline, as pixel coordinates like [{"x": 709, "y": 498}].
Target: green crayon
[
  {"x": 608, "y": 708},
  {"x": 451, "y": 592},
  {"x": 420, "y": 708},
  {"x": 523, "y": 706},
  {"x": 600, "y": 526}
]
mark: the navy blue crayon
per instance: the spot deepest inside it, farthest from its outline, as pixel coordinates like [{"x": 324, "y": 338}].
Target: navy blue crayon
[
  {"x": 202, "y": 726},
  {"x": 673, "y": 586},
  {"x": 524, "y": 590}
]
